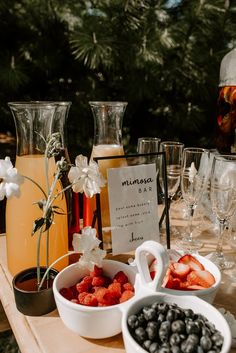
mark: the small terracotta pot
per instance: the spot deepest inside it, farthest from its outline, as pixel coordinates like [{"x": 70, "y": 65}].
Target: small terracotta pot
[{"x": 30, "y": 301}]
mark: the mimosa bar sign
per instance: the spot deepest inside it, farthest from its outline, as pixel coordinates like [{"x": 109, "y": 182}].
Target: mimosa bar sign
[{"x": 133, "y": 206}]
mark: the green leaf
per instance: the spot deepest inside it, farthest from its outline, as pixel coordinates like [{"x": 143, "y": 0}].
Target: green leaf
[{"x": 38, "y": 223}]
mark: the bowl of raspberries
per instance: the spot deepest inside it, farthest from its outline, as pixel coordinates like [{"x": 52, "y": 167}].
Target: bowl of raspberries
[
  {"x": 91, "y": 303},
  {"x": 164, "y": 323}
]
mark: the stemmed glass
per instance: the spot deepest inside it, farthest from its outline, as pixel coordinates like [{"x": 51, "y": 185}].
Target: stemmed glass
[
  {"x": 194, "y": 177},
  {"x": 173, "y": 153},
  {"x": 223, "y": 199}
]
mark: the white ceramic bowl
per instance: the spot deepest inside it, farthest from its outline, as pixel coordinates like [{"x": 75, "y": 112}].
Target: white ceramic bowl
[
  {"x": 91, "y": 322},
  {"x": 151, "y": 248},
  {"x": 199, "y": 306}
]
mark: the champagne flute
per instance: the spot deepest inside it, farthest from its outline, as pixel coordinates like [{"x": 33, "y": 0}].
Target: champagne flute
[
  {"x": 173, "y": 152},
  {"x": 223, "y": 199},
  {"x": 194, "y": 177},
  {"x": 148, "y": 145}
]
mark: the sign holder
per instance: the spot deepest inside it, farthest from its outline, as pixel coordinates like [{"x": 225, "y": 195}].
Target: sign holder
[{"x": 162, "y": 193}]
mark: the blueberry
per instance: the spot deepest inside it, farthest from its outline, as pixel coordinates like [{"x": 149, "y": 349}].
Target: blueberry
[
  {"x": 149, "y": 313},
  {"x": 147, "y": 344},
  {"x": 154, "y": 347},
  {"x": 140, "y": 334},
  {"x": 205, "y": 343},
  {"x": 175, "y": 339},
  {"x": 175, "y": 349},
  {"x": 171, "y": 315},
  {"x": 152, "y": 331},
  {"x": 206, "y": 331},
  {"x": 192, "y": 327},
  {"x": 133, "y": 321},
  {"x": 188, "y": 313},
  {"x": 217, "y": 339},
  {"x": 141, "y": 319},
  {"x": 188, "y": 347},
  {"x": 193, "y": 338},
  {"x": 178, "y": 326},
  {"x": 163, "y": 307},
  {"x": 200, "y": 350},
  {"x": 161, "y": 318},
  {"x": 164, "y": 350}
]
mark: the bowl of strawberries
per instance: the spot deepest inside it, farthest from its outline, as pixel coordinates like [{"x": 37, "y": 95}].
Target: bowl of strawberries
[
  {"x": 184, "y": 274},
  {"x": 91, "y": 303}
]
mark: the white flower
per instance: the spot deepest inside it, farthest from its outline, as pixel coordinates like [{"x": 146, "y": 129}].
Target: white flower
[
  {"x": 85, "y": 177},
  {"x": 87, "y": 243},
  {"x": 10, "y": 180}
]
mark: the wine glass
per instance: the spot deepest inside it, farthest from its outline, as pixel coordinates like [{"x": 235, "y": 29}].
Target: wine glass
[
  {"x": 148, "y": 145},
  {"x": 193, "y": 182},
  {"x": 173, "y": 153},
  {"x": 223, "y": 199}
]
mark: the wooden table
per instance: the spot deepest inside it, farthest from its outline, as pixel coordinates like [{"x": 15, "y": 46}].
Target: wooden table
[{"x": 47, "y": 334}]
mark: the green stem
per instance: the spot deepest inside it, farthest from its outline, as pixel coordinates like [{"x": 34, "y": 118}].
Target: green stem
[
  {"x": 52, "y": 264},
  {"x": 34, "y": 182},
  {"x": 38, "y": 255}
]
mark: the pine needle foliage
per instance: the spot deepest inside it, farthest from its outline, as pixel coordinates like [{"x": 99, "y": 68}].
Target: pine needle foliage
[{"x": 162, "y": 56}]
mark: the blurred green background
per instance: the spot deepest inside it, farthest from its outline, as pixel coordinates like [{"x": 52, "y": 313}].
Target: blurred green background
[{"x": 162, "y": 57}]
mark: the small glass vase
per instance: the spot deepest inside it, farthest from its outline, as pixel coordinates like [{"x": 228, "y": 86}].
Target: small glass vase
[
  {"x": 34, "y": 122},
  {"x": 108, "y": 120}
]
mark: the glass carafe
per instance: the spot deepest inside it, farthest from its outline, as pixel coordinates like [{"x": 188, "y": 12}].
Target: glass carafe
[
  {"x": 108, "y": 120},
  {"x": 34, "y": 122}
]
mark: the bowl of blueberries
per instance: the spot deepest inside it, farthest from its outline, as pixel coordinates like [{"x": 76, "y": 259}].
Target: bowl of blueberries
[{"x": 164, "y": 323}]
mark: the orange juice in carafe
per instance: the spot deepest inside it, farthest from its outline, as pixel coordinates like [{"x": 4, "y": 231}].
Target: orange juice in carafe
[
  {"x": 21, "y": 245},
  {"x": 108, "y": 117}
]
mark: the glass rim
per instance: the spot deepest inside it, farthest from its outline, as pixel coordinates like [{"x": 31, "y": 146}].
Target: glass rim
[
  {"x": 107, "y": 103},
  {"x": 172, "y": 143},
  {"x": 27, "y": 104},
  {"x": 225, "y": 157},
  {"x": 196, "y": 149},
  {"x": 149, "y": 138}
]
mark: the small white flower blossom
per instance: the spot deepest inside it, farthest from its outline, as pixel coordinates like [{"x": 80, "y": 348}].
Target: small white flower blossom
[
  {"x": 10, "y": 180},
  {"x": 86, "y": 177},
  {"x": 88, "y": 245}
]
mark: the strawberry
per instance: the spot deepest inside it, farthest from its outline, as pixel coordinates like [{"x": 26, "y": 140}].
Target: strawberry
[
  {"x": 191, "y": 261},
  {"x": 179, "y": 270},
  {"x": 153, "y": 268},
  {"x": 194, "y": 287},
  {"x": 201, "y": 278},
  {"x": 120, "y": 277}
]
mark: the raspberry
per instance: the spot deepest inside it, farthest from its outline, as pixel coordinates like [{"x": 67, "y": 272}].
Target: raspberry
[
  {"x": 87, "y": 279},
  {"x": 128, "y": 286},
  {"x": 67, "y": 293},
  {"x": 126, "y": 295},
  {"x": 120, "y": 277},
  {"x": 82, "y": 287},
  {"x": 81, "y": 297},
  {"x": 98, "y": 281},
  {"x": 89, "y": 300},
  {"x": 104, "y": 297},
  {"x": 115, "y": 289},
  {"x": 97, "y": 271}
]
